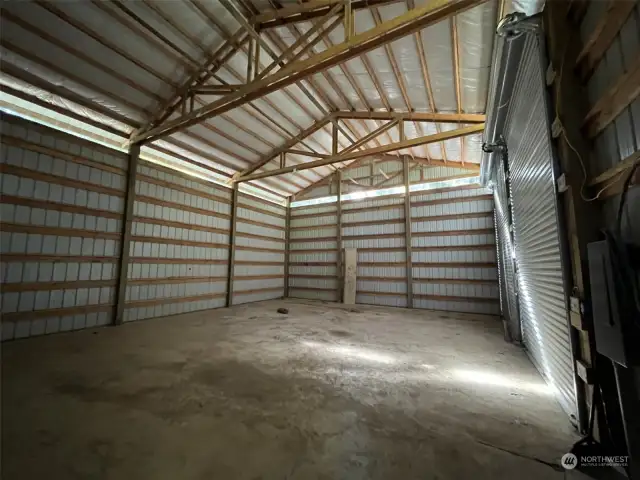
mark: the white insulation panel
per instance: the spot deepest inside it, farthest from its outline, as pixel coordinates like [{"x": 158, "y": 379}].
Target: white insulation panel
[
  {"x": 259, "y": 258},
  {"x": 179, "y": 245},
  {"x": 62, "y": 203}
]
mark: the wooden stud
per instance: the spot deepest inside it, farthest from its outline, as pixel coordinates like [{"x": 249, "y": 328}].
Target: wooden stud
[
  {"x": 232, "y": 245},
  {"x": 287, "y": 248},
  {"x": 338, "y": 179},
  {"x": 125, "y": 241},
  {"x": 602, "y": 36},
  {"x": 407, "y": 231},
  {"x": 617, "y": 97}
]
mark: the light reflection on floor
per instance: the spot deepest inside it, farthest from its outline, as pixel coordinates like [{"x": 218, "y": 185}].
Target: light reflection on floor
[{"x": 439, "y": 374}]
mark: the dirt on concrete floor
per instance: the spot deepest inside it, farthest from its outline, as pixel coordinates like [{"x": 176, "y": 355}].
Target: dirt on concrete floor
[{"x": 323, "y": 392}]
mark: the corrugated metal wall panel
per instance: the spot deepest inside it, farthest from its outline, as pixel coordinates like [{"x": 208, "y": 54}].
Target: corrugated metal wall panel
[
  {"x": 378, "y": 258},
  {"x": 543, "y": 299},
  {"x": 453, "y": 244},
  {"x": 313, "y": 263},
  {"x": 179, "y": 245},
  {"x": 62, "y": 204},
  {"x": 453, "y": 251},
  {"x": 259, "y": 257}
]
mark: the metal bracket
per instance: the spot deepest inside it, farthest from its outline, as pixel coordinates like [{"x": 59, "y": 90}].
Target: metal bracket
[
  {"x": 550, "y": 75},
  {"x": 562, "y": 183},
  {"x": 518, "y": 23}
]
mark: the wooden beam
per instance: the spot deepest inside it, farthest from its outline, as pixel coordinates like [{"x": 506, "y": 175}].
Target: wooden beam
[
  {"x": 366, "y": 139},
  {"x": 215, "y": 89},
  {"x": 414, "y": 116},
  {"x": 407, "y": 231},
  {"x": 618, "y": 97},
  {"x": 303, "y": 41},
  {"x": 602, "y": 36},
  {"x": 308, "y": 11},
  {"x": 232, "y": 245},
  {"x": 217, "y": 60},
  {"x": 125, "y": 251},
  {"x": 307, "y": 154},
  {"x": 339, "y": 269},
  {"x": 369, "y": 152},
  {"x": 456, "y": 74},
  {"x": 286, "y": 146},
  {"x": 386, "y": 32},
  {"x": 287, "y": 248},
  {"x": 610, "y": 173}
]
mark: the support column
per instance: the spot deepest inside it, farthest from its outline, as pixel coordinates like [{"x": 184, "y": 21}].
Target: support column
[
  {"x": 339, "y": 236},
  {"x": 287, "y": 251},
  {"x": 232, "y": 243},
  {"x": 407, "y": 230},
  {"x": 125, "y": 241}
]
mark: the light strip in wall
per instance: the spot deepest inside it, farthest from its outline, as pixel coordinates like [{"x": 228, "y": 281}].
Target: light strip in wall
[
  {"x": 18, "y": 107},
  {"x": 456, "y": 182}
]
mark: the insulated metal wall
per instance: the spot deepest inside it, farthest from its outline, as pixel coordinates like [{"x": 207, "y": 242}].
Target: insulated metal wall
[
  {"x": 453, "y": 251},
  {"x": 62, "y": 205},
  {"x": 376, "y": 228},
  {"x": 179, "y": 245},
  {"x": 508, "y": 283},
  {"x": 313, "y": 253},
  {"x": 542, "y": 295},
  {"x": 259, "y": 251}
]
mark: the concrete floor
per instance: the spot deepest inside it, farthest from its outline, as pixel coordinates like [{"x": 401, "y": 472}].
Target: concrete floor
[{"x": 325, "y": 392}]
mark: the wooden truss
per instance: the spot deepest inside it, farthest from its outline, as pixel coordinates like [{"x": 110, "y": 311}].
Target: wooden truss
[
  {"x": 292, "y": 71},
  {"x": 370, "y": 152}
]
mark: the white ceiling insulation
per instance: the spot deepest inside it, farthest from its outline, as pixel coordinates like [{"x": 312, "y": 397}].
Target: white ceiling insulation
[{"x": 114, "y": 63}]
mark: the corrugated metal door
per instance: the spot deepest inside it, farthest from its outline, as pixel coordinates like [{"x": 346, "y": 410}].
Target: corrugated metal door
[
  {"x": 508, "y": 283},
  {"x": 541, "y": 288}
]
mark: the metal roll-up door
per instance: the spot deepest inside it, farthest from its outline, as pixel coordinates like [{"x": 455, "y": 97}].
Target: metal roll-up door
[
  {"x": 542, "y": 294},
  {"x": 508, "y": 284}
]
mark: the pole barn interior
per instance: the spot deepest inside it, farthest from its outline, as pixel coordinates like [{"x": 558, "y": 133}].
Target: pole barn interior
[{"x": 323, "y": 239}]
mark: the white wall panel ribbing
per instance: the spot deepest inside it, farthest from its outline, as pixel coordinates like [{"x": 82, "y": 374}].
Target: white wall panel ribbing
[
  {"x": 453, "y": 251},
  {"x": 259, "y": 252},
  {"x": 313, "y": 253},
  {"x": 179, "y": 245},
  {"x": 376, "y": 228},
  {"x": 62, "y": 204}
]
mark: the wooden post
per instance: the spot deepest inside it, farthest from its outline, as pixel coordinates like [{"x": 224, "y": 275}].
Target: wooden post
[
  {"x": 407, "y": 231},
  {"x": 232, "y": 244},
  {"x": 580, "y": 217},
  {"x": 125, "y": 241},
  {"x": 287, "y": 251},
  {"x": 250, "y": 60},
  {"x": 340, "y": 273}
]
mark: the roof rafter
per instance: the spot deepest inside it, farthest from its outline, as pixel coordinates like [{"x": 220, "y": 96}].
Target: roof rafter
[{"x": 388, "y": 31}]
